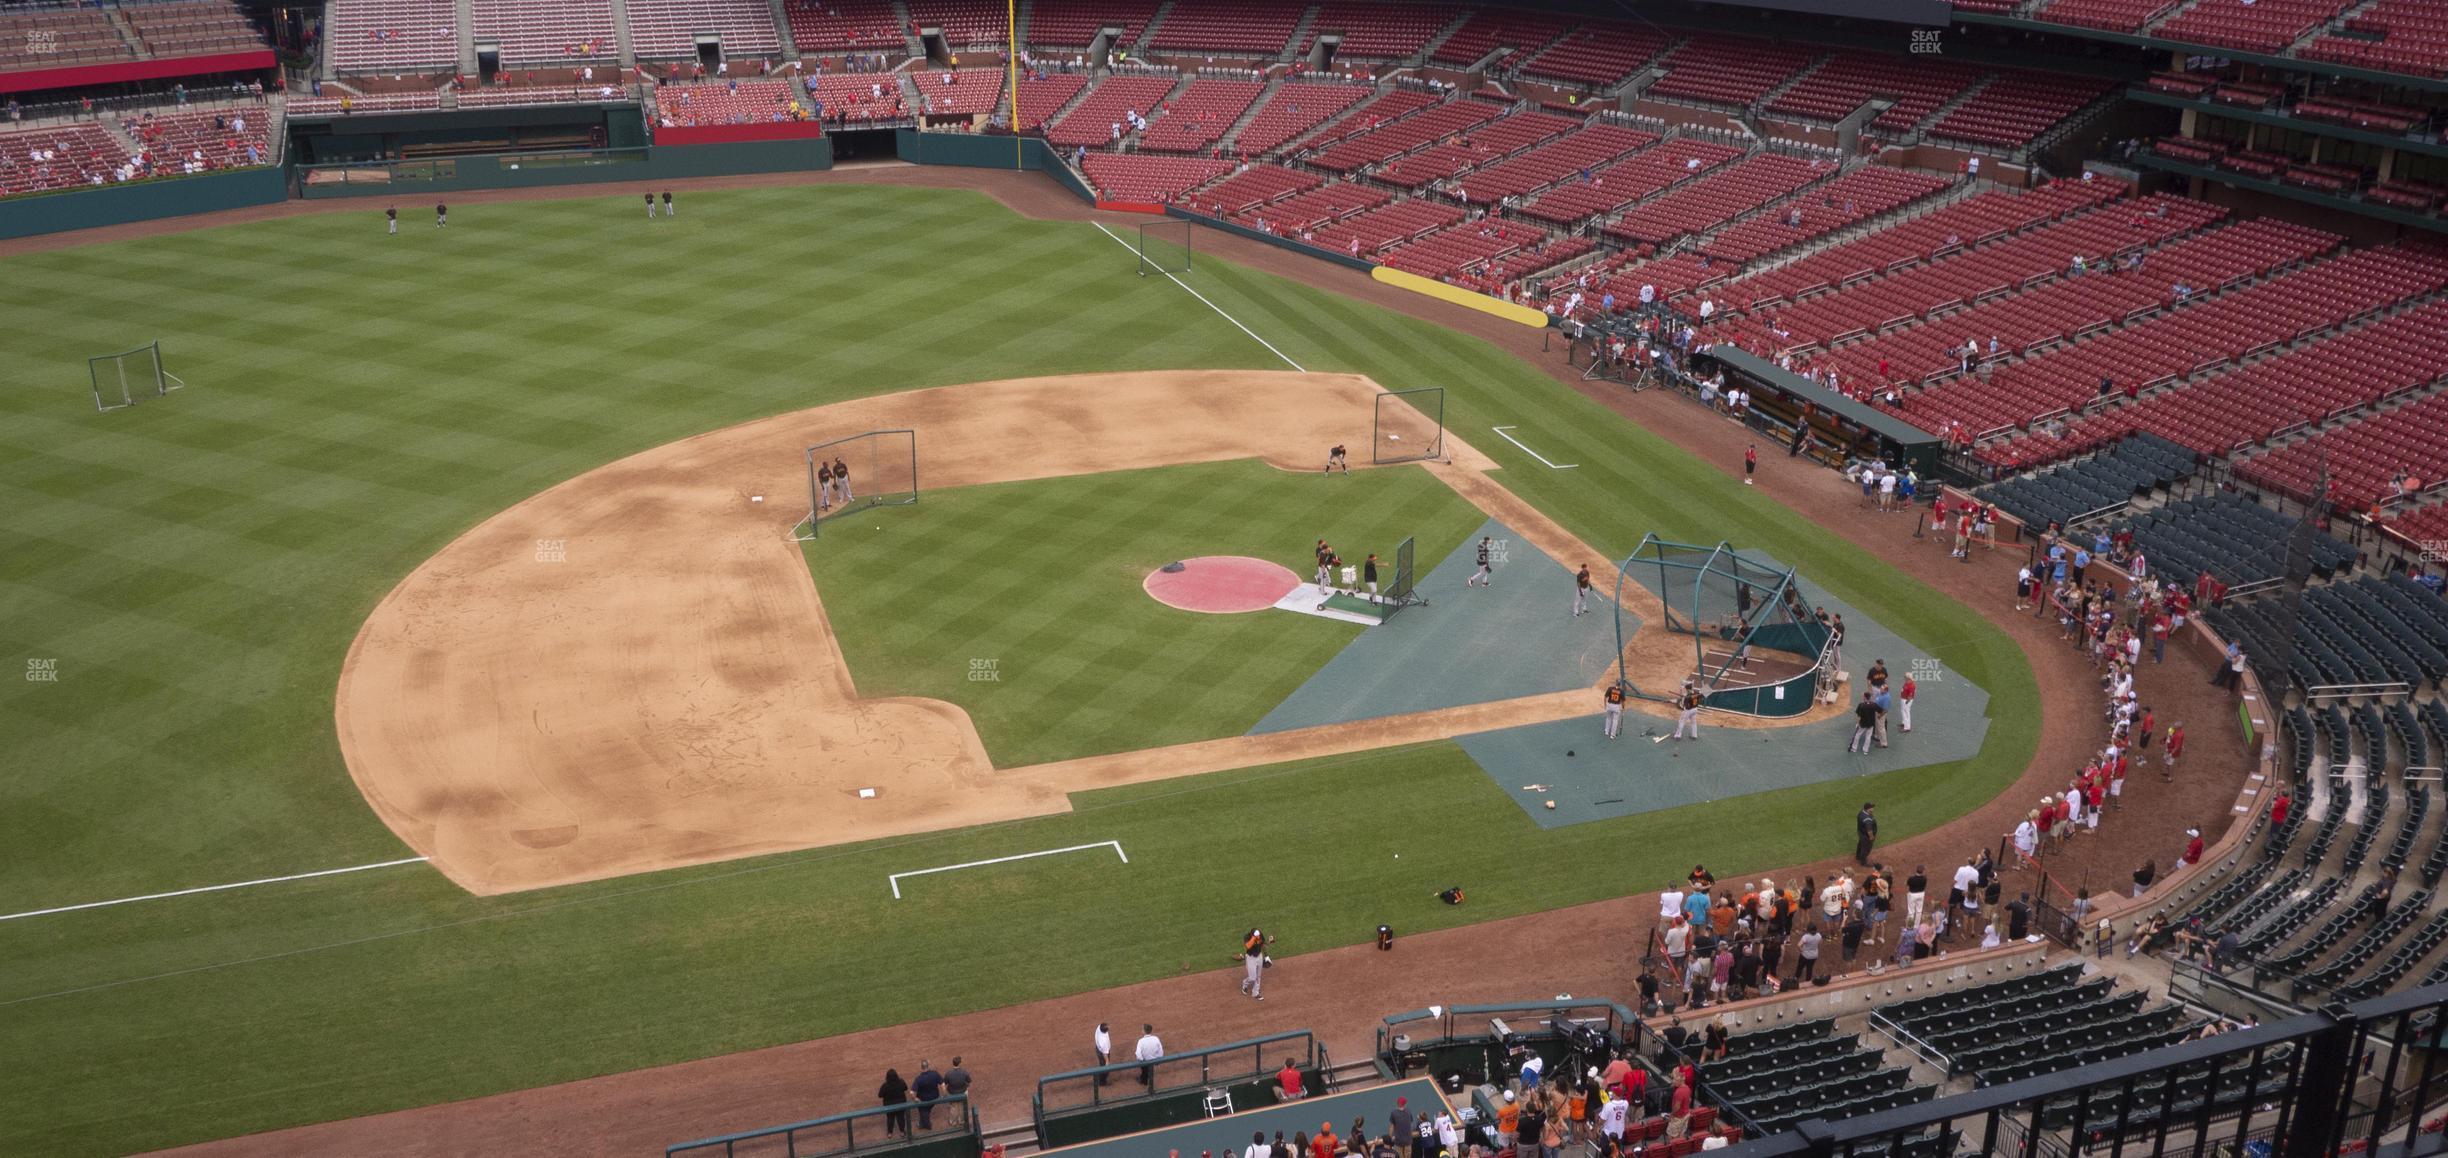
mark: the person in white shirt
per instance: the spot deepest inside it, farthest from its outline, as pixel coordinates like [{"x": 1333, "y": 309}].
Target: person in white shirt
[
  {"x": 1148, "y": 1051},
  {"x": 1967, "y": 882},
  {"x": 1258, "y": 1147},
  {"x": 1670, "y": 904},
  {"x": 1449, "y": 1132},
  {"x": 1104, "y": 1048},
  {"x": 1611, "y": 1118}
]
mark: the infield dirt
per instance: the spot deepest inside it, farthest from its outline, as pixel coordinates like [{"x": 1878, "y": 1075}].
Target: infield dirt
[{"x": 633, "y": 670}]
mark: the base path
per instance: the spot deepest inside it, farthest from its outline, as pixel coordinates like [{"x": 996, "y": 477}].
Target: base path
[{"x": 632, "y": 670}]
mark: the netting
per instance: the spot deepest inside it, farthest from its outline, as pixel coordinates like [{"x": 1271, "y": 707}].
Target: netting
[
  {"x": 1409, "y": 426},
  {"x": 129, "y": 377},
  {"x": 1164, "y": 247},
  {"x": 1751, "y": 627},
  {"x": 849, "y": 475}
]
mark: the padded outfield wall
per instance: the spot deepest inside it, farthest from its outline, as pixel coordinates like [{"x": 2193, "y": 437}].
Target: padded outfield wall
[{"x": 142, "y": 201}]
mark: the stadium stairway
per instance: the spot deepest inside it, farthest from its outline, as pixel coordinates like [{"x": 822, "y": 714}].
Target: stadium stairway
[
  {"x": 1420, "y": 59},
  {"x": 1971, "y": 92},
  {"x": 782, "y": 35},
  {"x": 1147, "y": 35},
  {"x": 1300, "y": 35},
  {"x": 1232, "y": 132}
]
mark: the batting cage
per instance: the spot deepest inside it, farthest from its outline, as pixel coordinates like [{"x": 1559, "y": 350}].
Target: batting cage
[
  {"x": 849, "y": 475},
  {"x": 129, "y": 377},
  {"x": 1164, "y": 247},
  {"x": 1757, "y": 646},
  {"x": 1409, "y": 426}
]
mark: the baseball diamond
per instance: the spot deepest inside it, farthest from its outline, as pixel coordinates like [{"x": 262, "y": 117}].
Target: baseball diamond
[{"x": 1631, "y": 581}]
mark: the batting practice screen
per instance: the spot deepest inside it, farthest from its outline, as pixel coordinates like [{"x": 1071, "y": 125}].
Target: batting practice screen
[
  {"x": 849, "y": 475},
  {"x": 1164, "y": 247},
  {"x": 1409, "y": 426}
]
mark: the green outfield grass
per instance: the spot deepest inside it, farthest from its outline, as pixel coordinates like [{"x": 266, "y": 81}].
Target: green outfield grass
[
  {"x": 198, "y": 565},
  {"x": 1040, "y": 581}
]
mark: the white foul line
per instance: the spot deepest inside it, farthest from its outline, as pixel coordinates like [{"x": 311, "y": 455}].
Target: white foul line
[
  {"x": 214, "y": 888},
  {"x": 1113, "y": 844},
  {"x": 1500, "y": 433},
  {"x": 1210, "y": 305}
]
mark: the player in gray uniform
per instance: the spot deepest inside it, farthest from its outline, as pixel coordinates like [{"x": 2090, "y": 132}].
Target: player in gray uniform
[
  {"x": 1368, "y": 573},
  {"x": 841, "y": 478},
  {"x": 1581, "y": 590},
  {"x": 1687, "y": 720},
  {"x": 1614, "y": 709},
  {"x": 1480, "y": 577}
]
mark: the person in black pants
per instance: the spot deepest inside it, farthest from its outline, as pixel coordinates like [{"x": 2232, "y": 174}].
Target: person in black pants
[
  {"x": 1865, "y": 831},
  {"x": 928, "y": 1086},
  {"x": 894, "y": 1093}
]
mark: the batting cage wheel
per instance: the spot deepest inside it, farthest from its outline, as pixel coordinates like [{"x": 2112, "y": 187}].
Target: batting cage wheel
[
  {"x": 882, "y": 470},
  {"x": 1164, "y": 247},
  {"x": 129, "y": 377}
]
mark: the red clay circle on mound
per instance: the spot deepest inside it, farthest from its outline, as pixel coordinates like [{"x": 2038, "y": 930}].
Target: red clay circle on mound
[{"x": 1222, "y": 583}]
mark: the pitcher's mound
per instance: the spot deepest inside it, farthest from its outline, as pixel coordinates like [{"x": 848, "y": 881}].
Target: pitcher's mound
[{"x": 1222, "y": 583}]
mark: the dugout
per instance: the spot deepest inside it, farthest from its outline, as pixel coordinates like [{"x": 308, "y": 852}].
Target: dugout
[
  {"x": 955, "y": 1134},
  {"x": 1836, "y": 420},
  {"x": 1464, "y": 1046},
  {"x": 1108, "y": 1101}
]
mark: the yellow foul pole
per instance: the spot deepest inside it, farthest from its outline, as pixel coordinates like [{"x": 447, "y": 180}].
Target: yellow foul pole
[{"x": 1011, "y": 74}]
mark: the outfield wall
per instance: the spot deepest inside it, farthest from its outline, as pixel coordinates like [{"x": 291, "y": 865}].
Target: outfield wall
[
  {"x": 972, "y": 150},
  {"x": 142, "y": 201}
]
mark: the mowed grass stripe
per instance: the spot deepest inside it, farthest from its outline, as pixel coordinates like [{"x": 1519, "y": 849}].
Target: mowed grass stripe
[
  {"x": 471, "y": 996},
  {"x": 1041, "y": 582}
]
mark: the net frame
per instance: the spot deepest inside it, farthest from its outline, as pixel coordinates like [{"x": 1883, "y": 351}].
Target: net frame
[
  {"x": 879, "y": 454},
  {"x": 116, "y": 384},
  {"x": 1428, "y": 403},
  {"x": 1173, "y": 237},
  {"x": 1404, "y": 591},
  {"x": 1735, "y": 608}
]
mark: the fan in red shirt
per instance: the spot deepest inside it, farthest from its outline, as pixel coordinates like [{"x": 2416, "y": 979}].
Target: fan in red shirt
[{"x": 2279, "y": 807}]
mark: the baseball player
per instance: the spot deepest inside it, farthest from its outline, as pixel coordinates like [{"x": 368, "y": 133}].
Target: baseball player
[
  {"x": 391, "y": 216},
  {"x": 1334, "y": 458},
  {"x": 441, "y": 215},
  {"x": 1481, "y": 577},
  {"x": 1368, "y": 573},
  {"x": 650, "y": 207},
  {"x": 1687, "y": 718},
  {"x": 1253, "y": 961},
  {"x": 1325, "y": 565},
  {"x": 824, "y": 486},
  {"x": 667, "y": 204},
  {"x": 1614, "y": 709},
  {"x": 841, "y": 478},
  {"x": 1581, "y": 590}
]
